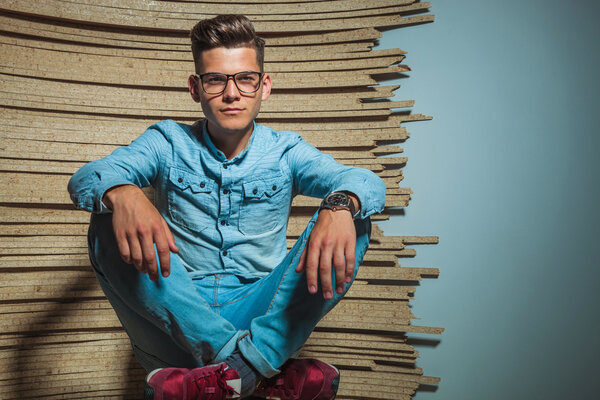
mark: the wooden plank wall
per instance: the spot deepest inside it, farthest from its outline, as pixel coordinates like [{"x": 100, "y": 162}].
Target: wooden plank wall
[{"x": 79, "y": 78}]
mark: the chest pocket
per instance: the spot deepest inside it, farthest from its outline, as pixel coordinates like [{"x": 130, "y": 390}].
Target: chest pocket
[
  {"x": 265, "y": 205},
  {"x": 192, "y": 199}
]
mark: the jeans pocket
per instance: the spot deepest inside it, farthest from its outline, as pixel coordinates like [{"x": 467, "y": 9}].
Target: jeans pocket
[{"x": 192, "y": 201}]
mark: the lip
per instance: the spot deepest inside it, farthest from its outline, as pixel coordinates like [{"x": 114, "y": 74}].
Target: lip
[{"x": 231, "y": 110}]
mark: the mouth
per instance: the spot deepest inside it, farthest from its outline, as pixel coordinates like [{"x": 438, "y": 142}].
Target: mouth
[{"x": 231, "y": 110}]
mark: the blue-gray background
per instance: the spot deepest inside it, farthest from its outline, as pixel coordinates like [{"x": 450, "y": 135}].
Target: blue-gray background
[{"x": 507, "y": 175}]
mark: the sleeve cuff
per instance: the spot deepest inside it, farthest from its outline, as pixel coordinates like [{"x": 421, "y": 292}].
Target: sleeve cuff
[
  {"x": 99, "y": 206},
  {"x": 369, "y": 204}
]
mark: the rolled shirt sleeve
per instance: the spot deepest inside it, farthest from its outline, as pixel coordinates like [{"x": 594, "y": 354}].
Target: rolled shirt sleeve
[
  {"x": 317, "y": 174},
  {"x": 137, "y": 164}
]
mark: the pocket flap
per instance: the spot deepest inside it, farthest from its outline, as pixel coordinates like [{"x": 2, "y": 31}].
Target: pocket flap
[
  {"x": 273, "y": 186},
  {"x": 185, "y": 179},
  {"x": 256, "y": 189}
]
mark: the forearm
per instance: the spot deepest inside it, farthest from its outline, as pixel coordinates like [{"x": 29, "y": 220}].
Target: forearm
[
  {"x": 317, "y": 174},
  {"x": 87, "y": 187},
  {"x": 115, "y": 194},
  {"x": 137, "y": 164},
  {"x": 365, "y": 188}
]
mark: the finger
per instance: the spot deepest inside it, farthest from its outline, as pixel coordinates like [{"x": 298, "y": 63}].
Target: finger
[
  {"x": 136, "y": 252},
  {"x": 312, "y": 267},
  {"x": 325, "y": 262},
  {"x": 300, "y": 266},
  {"x": 164, "y": 253},
  {"x": 123, "y": 246},
  {"x": 350, "y": 260},
  {"x": 339, "y": 264},
  {"x": 170, "y": 238},
  {"x": 148, "y": 255}
]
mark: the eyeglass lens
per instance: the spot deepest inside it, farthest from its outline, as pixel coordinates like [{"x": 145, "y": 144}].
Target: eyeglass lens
[{"x": 247, "y": 82}]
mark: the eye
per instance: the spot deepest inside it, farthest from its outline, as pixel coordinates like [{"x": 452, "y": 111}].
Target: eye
[
  {"x": 214, "y": 79},
  {"x": 247, "y": 77}
]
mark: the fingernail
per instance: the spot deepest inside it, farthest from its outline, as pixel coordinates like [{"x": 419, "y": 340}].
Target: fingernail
[
  {"x": 328, "y": 295},
  {"x": 348, "y": 279},
  {"x": 165, "y": 274},
  {"x": 312, "y": 289},
  {"x": 339, "y": 290}
]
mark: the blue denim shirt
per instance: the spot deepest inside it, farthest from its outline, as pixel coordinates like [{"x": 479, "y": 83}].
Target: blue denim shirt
[{"x": 226, "y": 215}]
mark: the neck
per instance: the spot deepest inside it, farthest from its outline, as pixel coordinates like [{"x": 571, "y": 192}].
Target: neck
[{"x": 231, "y": 143}]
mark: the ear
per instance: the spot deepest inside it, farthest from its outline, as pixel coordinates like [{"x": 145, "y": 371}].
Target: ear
[
  {"x": 194, "y": 89},
  {"x": 266, "y": 92}
]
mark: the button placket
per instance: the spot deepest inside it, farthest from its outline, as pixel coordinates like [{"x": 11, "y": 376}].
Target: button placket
[
  {"x": 225, "y": 196},
  {"x": 225, "y": 211}
]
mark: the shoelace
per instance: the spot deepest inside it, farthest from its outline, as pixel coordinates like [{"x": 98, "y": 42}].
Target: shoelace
[
  {"x": 212, "y": 386},
  {"x": 283, "y": 387}
]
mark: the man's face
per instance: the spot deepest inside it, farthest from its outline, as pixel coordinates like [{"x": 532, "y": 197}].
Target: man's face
[{"x": 231, "y": 111}]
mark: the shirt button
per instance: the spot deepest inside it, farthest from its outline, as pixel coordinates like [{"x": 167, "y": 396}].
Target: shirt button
[
  {"x": 202, "y": 184},
  {"x": 255, "y": 191},
  {"x": 274, "y": 187},
  {"x": 180, "y": 180},
  {"x": 225, "y": 252},
  {"x": 225, "y": 166},
  {"x": 222, "y": 222},
  {"x": 225, "y": 191}
]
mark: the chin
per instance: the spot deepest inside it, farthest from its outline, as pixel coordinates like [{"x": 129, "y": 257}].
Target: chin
[{"x": 234, "y": 125}]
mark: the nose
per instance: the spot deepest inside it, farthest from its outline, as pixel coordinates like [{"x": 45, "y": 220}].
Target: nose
[{"x": 231, "y": 91}]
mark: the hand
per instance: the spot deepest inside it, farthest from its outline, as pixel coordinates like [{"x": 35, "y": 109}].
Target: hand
[
  {"x": 138, "y": 226},
  {"x": 331, "y": 241}
]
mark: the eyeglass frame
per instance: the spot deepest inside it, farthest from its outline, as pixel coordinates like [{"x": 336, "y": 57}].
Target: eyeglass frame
[{"x": 260, "y": 76}]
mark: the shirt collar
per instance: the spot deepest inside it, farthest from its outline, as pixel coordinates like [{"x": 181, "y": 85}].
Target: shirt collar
[{"x": 218, "y": 154}]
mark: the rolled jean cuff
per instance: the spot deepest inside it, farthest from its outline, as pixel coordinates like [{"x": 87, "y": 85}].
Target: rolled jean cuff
[
  {"x": 228, "y": 348},
  {"x": 254, "y": 357}
]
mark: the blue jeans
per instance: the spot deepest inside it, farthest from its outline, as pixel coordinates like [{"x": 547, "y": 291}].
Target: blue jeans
[{"x": 184, "y": 322}]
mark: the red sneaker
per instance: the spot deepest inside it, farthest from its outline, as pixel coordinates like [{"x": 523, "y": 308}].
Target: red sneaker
[
  {"x": 214, "y": 382},
  {"x": 301, "y": 379}
]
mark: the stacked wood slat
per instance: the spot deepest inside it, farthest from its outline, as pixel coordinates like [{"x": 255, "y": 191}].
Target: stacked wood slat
[{"x": 78, "y": 79}]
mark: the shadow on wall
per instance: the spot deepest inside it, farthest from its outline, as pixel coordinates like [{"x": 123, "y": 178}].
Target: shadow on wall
[{"x": 68, "y": 344}]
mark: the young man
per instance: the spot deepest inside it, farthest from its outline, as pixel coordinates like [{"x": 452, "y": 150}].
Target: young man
[{"x": 213, "y": 305}]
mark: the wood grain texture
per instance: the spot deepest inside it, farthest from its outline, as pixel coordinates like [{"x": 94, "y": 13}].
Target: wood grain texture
[{"x": 80, "y": 78}]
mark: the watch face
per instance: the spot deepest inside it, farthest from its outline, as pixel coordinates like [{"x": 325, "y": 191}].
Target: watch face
[{"x": 337, "y": 199}]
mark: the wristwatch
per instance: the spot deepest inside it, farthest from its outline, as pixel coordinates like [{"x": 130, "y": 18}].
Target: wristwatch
[{"x": 339, "y": 201}]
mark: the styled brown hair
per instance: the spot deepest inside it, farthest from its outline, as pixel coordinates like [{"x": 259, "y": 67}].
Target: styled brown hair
[{"x": 229, "y": 31}]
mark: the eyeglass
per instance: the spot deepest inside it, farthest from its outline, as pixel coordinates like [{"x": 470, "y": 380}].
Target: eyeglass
[{"x": 215, "y": 83}]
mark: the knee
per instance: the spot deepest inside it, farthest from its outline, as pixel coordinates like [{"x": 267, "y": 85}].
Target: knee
[
  {"x": 363, "y": 235},
  {"x": 101, "y": 239},
  {"x": 363, "y": 227},
  {"x": 100, "y": 223},
  {"x": 101, "y": 231}
]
